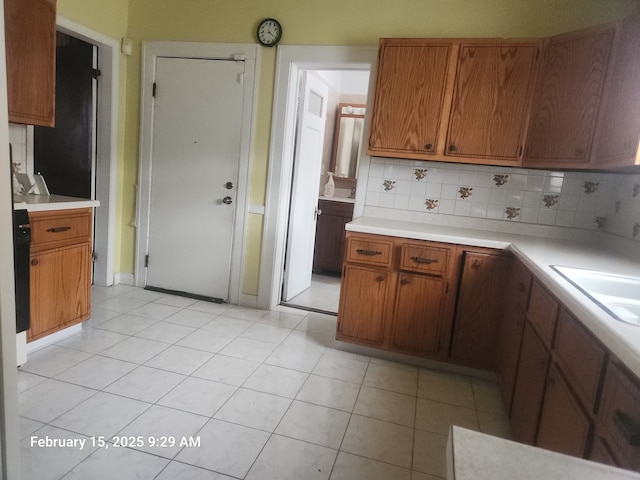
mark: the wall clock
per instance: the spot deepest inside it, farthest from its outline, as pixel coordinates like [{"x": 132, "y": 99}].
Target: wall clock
[{"x": 269, "y": 32}]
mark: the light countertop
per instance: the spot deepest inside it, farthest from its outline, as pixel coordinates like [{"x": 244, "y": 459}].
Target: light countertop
[
  {"x": 39, "y": 203},
  {"x": 538, "y": 254},
  {"x": 473, "y": 455}
]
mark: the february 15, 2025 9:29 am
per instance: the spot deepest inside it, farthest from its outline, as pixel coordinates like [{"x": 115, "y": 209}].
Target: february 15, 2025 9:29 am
[{"x": 139, "y": 441}]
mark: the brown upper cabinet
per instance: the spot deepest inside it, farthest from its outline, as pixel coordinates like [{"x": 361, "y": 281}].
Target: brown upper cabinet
[
  {"x": 452, "y": 100},
  {"x": 565, "y": 102},
  {"x": 411, "y": 98},
  {"x": 618, "y": 134},
  {"x": 30, "y": 38},
  {"x": 568, "y": 99}
]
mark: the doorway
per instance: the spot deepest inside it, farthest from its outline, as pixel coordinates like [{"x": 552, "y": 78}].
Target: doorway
[
  {"x": 308, "y": 281},
  {"x": 241, "y": 61},
  {"x": 290, "y": 62},
  {"x": 195, "y": 153},
  {"x": 65, "y": 155}
]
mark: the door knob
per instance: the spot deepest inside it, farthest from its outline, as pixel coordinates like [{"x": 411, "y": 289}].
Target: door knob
[
  {"x": 227, "y": 200},
  {"x": 228, "y": 185}
]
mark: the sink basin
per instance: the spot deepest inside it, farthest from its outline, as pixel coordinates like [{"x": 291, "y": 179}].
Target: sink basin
[{"x": 618, "y": 295}]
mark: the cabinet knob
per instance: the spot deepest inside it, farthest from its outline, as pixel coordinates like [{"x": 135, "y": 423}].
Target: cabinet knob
[
  {"x": 452, "y": 148},
  {"x": 380, "y": 278},
  {"x": 34, "y": 262},
  {"x": 475, "y": 264},
  {"x": 428, "y": 147},
  {"x": 405, "y": 281}
]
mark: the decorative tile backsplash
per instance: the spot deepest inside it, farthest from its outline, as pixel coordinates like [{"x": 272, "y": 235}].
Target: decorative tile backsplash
[{"x": 586, "y": 200}]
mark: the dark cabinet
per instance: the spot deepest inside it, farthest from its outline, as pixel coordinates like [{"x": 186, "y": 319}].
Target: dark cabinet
[{"x": 328, "y": 254}]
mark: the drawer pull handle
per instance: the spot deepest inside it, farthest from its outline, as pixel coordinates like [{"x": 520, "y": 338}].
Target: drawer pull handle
[
  {"x": 369, "y": 253},
  {"x": 629, "y": 429},
  {"x": 425, "y": 261},
  {"x": 58, "y": 229}
]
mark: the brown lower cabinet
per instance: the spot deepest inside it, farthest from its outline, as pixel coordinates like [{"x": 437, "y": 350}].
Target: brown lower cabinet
[
  {"x": 431, "y": 299},
  {"x": 569, "y": 393},
  {"x": 60, "y": 270},
  {"x": 529, "y": 387}
]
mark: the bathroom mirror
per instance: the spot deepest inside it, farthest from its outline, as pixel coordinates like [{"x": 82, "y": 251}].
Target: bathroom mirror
[{"x": 346, "y": 139}]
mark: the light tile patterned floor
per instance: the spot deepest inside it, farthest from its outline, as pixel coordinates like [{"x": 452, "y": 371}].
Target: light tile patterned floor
[{"x": 266, "y": 393}]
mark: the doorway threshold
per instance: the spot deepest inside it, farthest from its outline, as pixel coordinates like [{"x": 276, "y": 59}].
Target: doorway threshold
[
  {"x": 308, "y": 309},
  {"x": 184, "y": 294}
]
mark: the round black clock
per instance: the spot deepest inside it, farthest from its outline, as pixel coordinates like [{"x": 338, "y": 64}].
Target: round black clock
[{"x": 269, "y": 32}]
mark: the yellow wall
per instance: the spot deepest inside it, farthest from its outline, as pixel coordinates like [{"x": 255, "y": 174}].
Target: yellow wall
[{"x": 331, "y": 22}]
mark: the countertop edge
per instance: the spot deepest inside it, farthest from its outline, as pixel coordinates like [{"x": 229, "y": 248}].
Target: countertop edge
[{"x": 41, "y": 203}]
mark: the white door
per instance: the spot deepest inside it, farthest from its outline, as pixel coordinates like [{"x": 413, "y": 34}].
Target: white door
[
  {"x": 194, "y": 171},
  {"x": 306, "y": 183}
]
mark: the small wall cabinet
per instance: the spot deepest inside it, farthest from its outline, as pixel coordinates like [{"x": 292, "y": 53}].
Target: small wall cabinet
[
  {"x": 450, "y": 100},
  {"x": 30, "y": 41},
  {"x": 60, "y": 270},
  {"x": 328, "y": 254}
]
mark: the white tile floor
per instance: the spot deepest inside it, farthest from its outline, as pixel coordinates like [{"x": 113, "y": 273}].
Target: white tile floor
[
  {"x": 324, "y": 294},
  {"x": 267, "y": 395}
]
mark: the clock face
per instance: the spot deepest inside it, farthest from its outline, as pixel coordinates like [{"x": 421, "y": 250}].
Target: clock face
[{"x": 269, "y": 32}]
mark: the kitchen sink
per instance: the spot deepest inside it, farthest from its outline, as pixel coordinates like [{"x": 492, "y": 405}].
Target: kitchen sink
[{"x": 618, "y": 295}]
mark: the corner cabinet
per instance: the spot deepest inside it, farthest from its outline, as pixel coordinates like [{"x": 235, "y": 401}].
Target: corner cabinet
[
  {"x": 618, "y": 133},
  {"x": 60, "y": 270},
  {"x": 402, "y": 294},
  {"x": 451, "y": 100},
  {"x": 568, "y": 99},
  {"x": 30, "y": 41}
]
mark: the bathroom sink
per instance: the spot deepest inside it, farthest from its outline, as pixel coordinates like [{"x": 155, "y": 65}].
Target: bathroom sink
[{"x": 618, "y": 295}]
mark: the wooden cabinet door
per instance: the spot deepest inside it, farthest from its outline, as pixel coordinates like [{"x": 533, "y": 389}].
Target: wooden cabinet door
[
  {"x": 510, "y": 337},
  {"x": 564, "y": 426},
  {"x": 60, "y": 288},
  {"x": 491, "y": 100},
  {"x": 479, "y": 309},
  {"x": 529, "y": 387},
  {"x": 568, "y": 98},
  {"x": 364, "y": 298},
  {"x": 419, "y": 311},
  {"x": 409, "y": 102},
  {"x": 30, "y": 35},
  {"x": 619, "y": 127},
  {"x": 601, "y": 453}
]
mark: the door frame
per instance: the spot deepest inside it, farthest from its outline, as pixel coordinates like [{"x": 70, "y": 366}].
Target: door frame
[
  {"x": 249, "y": 53},
  {"x": 290, "y": 61},
  {"x": 106, "y": 168}
]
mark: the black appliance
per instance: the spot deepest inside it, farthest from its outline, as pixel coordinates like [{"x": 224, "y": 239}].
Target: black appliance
[{"x": 21, "y": 242}]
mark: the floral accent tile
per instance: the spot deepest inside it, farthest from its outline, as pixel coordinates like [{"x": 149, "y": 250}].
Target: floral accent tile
[
  {"x": 601, "y": 222},
  {"x": 431, "y": 203},
  {"x": 500, "y": 180},
  {"x": 465, "y": 192},
  {"x": 420, "y": 173},
  {"x": 512, "y": 212},
  {"x": 550, "y": 200},
  {"x": 388, "y": 185},
  {"x": 636, "y": 190},
  {"x": 590, "y": 187}
]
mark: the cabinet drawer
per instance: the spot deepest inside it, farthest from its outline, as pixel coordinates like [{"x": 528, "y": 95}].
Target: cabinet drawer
[
  {"x": 370, "y": 250},
  {"x": 424, "y": 258},
  {"x": 543, "y": 312},
  {"x": 620, "y": 415},
  {"x": 53, "y": 229},
  {"x": 580, "y": 356}
]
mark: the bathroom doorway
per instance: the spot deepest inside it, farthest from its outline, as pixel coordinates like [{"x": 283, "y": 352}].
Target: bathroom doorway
[{"x": 309, "y": 282}]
